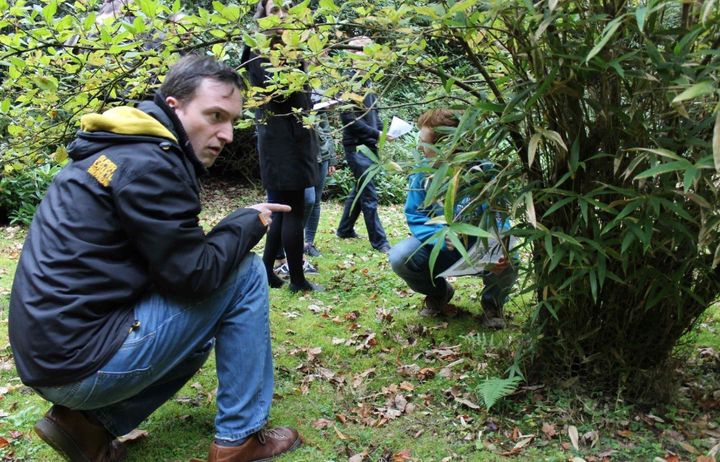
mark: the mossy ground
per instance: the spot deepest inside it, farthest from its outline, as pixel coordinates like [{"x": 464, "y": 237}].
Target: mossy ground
[{"x": 363, "y": 377}]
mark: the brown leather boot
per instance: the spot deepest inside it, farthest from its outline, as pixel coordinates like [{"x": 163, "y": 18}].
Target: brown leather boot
[
  {"x": 262, "y": 446},
  {"x": 71, "y": 434}
]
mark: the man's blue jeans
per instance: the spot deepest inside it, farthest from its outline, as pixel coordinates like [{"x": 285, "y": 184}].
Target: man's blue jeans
[
  {"x": 368, "y": 202},
  {"x": 172, "y": 340},
  {"x": 411, "y": 261}
]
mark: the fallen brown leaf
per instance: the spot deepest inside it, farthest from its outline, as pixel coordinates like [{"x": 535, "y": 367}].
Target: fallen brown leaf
[
  {"x": 407, "y": 386},
  {"x": 426, "y": 373},
  {"x": 549, "y": 430},
  {"x": 402, "y": 456},
  {"x": 523, "y": 442},
  {"x": 688, "y": 447},
  {"x": 340, "y": 434},
  {"x": 360, "y": 457},
  {"x": 320, "y": 424},
  {"x": 573, "y": 434},
  {"x": 467, "y": 403}
]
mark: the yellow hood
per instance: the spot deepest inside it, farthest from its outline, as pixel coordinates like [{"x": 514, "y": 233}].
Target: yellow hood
[{"x": 125, "y": 121}]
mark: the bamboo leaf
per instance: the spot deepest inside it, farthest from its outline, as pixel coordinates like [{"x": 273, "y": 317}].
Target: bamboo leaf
[
  {"x": 437, "y": 180},
  {"x": 716, "y": 141},
  {"x": 699, "y": 89},
  {"x": 706, "y": 10},
  {"x": 640, "y": 15},
  {"x": 450, "y": 195},
  {"x": 440, "y": 240},
  {"x": 542, "y": 27},
  {"x": 530, "y": 207},
  {"x": 471, "y": 230},
  {"x": 660, "y": 152},
  {"x": 557, "y": 205},
  {"x": 626, "y": 242},
  {"x": 532, "y": 148},
  {"x": 664, "y": 168},
  {"x": 691, "y": 175},
  {"x": 609, "y": 31},
  {"x": 575, "y": 155},
  {"x": 555, "y": 137}
]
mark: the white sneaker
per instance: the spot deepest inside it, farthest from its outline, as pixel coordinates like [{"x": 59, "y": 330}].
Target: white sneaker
[
  {"x": 308, "y": 268},
  {"x": 282, "y": 271}
]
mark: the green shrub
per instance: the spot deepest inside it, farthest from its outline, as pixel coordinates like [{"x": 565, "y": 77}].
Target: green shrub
[
  {"x": 391, "y": 187},
  {"x": 22, "y": 190},
  {"x": 603, "y": 119}
]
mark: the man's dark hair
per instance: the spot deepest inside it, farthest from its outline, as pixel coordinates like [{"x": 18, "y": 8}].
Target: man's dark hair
[{"x": 186, "y": 75}]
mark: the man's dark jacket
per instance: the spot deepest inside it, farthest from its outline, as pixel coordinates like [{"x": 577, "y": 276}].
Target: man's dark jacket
[
  {"x": 120, "y": 220},
  {"x": 362, "y": 126}
]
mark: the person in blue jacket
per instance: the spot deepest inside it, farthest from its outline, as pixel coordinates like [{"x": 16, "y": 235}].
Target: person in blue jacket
[
  {"x": 120, "y": 295},
  {"x": 410, "y": 258}
]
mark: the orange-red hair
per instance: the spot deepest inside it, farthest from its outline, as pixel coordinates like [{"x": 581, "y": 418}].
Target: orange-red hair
[{"x": 440, "y": 117}]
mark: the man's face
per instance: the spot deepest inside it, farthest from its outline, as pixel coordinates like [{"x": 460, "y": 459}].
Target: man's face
[
  {"x": 426, "y": 137},
  {"x": 208, "y": 117}
]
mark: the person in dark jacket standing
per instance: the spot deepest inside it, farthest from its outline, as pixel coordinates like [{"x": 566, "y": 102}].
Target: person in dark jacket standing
[
  {"x": 288, "y": 158},
  {"x": 362, "y": 127},
  {"x": 127, "y": 293}
]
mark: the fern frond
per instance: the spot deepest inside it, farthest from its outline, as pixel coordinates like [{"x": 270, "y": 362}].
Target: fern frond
[{"x": 494, "y": 388}]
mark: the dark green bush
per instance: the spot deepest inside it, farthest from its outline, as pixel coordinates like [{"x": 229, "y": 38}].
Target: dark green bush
[
  {"x": 391, "y": 187},
  {"x": 22, "y": 190}
]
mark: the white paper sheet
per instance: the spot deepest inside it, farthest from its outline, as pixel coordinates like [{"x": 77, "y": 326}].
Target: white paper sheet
[
  {"x": 398, "y": 127},
  {"x": 480, "y": 258},
  {"x": 325, "y": 104}
]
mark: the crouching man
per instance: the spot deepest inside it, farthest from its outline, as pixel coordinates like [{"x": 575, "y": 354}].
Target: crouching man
[
  {"x": 120, "y": 296},
  {"x": 410, "y": 259}
]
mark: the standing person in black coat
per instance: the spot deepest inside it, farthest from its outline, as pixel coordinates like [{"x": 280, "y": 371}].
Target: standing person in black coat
[
  {"x": 362, "y": 127},
  {"x": 288, "y": 160}
]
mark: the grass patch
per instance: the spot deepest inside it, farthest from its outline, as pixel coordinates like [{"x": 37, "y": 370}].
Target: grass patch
[{"x": 359, "y": 373}]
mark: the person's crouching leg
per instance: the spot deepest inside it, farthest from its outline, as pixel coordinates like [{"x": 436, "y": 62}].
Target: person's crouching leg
[{"x": 245, "y": 375}]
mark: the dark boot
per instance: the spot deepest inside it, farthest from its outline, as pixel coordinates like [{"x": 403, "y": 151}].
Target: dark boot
[
  {"x": 76, "y": 438},
  {"x": 262, "y": 446},
  {"x": 439, "y": 306},
  {"x": 492, "y": 316}
]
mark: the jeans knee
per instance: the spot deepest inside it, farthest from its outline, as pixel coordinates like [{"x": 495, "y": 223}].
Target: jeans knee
[
  {"x": 250, "y": 275},
  {"x": 398, "y": 259},
  {"x": 255, "y": 265}
]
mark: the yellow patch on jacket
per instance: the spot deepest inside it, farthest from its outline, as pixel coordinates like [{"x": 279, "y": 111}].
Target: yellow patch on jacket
[{"x": 102, "y": 170}]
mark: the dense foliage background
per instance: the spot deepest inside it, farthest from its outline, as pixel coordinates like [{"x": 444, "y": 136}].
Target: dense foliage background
[{"x": 601, "y": 117}]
